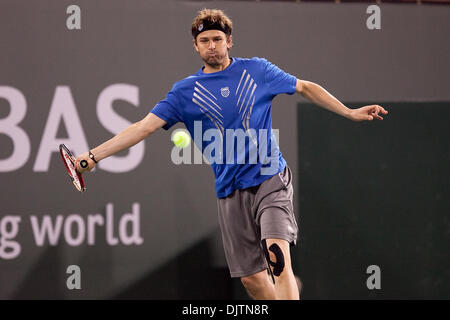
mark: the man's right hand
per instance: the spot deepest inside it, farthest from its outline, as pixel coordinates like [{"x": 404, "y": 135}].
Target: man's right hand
[{"x": 84, "y": 156}]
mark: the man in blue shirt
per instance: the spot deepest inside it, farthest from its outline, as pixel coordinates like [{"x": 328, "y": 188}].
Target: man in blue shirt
[
  {"x": 229, "y": 101},
  {"x": 234, "y": 100}
]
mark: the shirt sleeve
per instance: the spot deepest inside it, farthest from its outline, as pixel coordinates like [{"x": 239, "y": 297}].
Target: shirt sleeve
[
  {"x": 277, "y": 80},
  {"x": 168, "y": 110}
]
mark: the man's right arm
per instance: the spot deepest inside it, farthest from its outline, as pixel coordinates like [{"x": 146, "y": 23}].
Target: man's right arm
[{"x": 123, "y": 140}]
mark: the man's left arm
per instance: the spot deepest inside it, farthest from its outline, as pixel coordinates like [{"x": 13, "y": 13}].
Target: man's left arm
[{"x": 324, "y": 99}]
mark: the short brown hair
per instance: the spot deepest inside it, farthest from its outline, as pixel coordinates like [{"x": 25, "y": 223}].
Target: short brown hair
[{"x": 212, "y": 16}]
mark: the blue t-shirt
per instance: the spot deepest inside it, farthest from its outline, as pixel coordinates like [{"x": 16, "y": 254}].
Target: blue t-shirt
[{"x": 228, "y": 114}]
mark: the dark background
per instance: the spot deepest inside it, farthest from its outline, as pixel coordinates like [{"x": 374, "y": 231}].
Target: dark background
[{"x": 375, "y": 194}]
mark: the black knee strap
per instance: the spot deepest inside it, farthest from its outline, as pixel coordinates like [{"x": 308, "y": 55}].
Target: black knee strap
[{"x": 278, "y": 266}]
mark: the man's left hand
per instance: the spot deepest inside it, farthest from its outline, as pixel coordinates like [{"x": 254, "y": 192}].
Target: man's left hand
[{"x": 367, "y": 113}]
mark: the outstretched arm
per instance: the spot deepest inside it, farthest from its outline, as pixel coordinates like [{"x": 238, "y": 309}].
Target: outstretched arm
[
  {"x": 123, "y": 140},
  {"x": 322, "y": 98}
]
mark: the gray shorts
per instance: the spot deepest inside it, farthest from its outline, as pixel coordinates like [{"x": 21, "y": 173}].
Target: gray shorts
[{"x": 248, "y": 216}]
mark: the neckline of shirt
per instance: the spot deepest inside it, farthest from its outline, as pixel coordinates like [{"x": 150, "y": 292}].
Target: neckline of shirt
[{"x": 233, "y": 62}]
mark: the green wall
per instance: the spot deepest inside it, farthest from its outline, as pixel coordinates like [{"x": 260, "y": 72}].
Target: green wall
[{"x": 374, "y": 193}]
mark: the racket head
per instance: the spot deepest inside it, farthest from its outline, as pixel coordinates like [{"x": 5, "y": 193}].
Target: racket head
[{"x": 69, "y": 162}]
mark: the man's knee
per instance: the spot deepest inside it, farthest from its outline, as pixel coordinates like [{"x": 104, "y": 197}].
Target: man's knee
[{"x": 277, "y": 255}]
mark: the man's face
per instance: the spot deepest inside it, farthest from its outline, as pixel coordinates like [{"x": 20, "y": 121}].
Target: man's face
[{"x": 213, "y": 46}]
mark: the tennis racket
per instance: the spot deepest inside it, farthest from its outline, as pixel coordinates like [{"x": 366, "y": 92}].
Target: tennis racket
[{"x": 69, "y": 163}]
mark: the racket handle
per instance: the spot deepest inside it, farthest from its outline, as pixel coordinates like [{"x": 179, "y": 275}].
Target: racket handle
[{"x": 83, "y": 164}]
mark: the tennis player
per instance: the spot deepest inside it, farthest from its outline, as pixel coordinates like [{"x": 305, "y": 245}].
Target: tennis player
[{"x": 255, "y": 199}]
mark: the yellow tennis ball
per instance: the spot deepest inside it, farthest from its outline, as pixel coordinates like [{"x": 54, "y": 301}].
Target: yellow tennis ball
[{"x": 181, "y": 139}]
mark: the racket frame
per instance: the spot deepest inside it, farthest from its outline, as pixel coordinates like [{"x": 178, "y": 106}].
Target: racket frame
[{"x": 64, "y": 151}]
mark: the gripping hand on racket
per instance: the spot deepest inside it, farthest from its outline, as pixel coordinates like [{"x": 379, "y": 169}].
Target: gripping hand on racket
[
  {"x": 124, "y": 140},
  {"x": 90, "y": 162}
]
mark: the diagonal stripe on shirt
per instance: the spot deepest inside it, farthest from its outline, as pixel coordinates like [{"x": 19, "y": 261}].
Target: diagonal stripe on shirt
[
  {"x": 204, "y": 103},
  {"x": 249, "y": 99},
  {"x": 243, "y": 73},
  {"x": 206, "y": 97},
  {"x": 198, "y": 83},
  {"x": 243, "y": 100},
  {"x": 243, "y": 88},
  {"x": 206, "y": 109}
]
